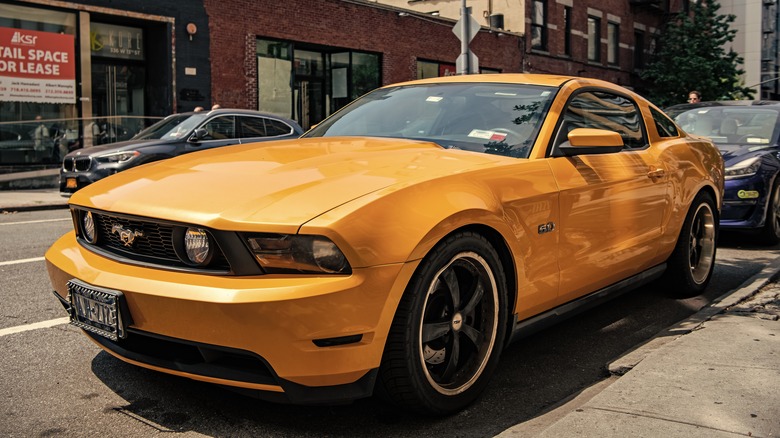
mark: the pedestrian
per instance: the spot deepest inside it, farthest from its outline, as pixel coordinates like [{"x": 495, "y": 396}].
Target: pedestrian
[
  {"x": 198, "y": 109},
  {"x": 40, "y": 135},
  {"x": 694, "y": 97},
  {"x": 216, "y": 106}
]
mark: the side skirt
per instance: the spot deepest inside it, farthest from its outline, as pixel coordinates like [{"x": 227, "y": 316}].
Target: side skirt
[{"x": 527, "y": 327}]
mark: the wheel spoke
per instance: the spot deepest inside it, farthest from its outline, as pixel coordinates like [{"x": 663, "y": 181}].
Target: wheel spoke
[
  {"x": 435, "y": 330},
  {"x": 452, "y": 284},
  {"x": 475, "y": 299},
  {"x": 452, "y": 360},
  {"x": 474, "y": 335}
]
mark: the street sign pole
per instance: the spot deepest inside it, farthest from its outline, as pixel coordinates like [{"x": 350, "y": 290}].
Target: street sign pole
[{"x": 466, "y": 29}]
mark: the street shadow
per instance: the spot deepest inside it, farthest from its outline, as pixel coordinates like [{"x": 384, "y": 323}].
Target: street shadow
[{"x": 535, "y": 373}]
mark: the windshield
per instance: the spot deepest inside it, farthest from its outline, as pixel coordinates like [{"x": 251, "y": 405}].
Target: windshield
[
  {"x": 747, "y": 125},
  {"x": 172, "y": 127},
  {"x": 500, "y": 119}
]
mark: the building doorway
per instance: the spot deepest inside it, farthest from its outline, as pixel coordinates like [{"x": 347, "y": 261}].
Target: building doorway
[{"x": 117, "y": 95}]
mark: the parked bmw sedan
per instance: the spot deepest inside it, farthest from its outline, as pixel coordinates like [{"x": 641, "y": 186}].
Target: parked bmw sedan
[
  {"x": 175, "y": 135},
  {"x": 398, "y": 246},
  {"x": 746, "y": 132}
]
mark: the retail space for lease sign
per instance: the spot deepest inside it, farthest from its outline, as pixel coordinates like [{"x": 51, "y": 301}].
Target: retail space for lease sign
[{"x": 37, "y": 66}]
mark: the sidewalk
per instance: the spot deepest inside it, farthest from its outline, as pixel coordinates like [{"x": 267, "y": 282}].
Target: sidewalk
[
  {"x": 716, "y": 374},
  {"x": 28, "y": 200}
]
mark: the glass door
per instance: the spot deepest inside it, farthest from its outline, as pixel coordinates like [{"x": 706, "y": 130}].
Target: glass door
[
  {"x": 308, "y": 88},
  {"x": 117, "y": 95}
]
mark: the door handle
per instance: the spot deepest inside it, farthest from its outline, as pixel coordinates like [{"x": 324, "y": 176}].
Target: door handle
[{"x": 656, "y": 174}]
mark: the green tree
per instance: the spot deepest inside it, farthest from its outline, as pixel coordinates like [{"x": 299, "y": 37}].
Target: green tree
[{"x": 691, "y": 55}]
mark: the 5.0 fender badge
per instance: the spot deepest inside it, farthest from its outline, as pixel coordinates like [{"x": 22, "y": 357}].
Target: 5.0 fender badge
[
  {"x": 546, "y": 228},
  {"x": 126, "y": 235}
]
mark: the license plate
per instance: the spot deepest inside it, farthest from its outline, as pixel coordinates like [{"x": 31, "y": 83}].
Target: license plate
[
  {"x": 71, "y": 183},
  {"x": 96, "y": 310}
]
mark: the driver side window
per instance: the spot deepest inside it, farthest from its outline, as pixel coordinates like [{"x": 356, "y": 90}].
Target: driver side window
[
  {"x": 220, "y": 128},
  {"x": 603, "y": 110}
]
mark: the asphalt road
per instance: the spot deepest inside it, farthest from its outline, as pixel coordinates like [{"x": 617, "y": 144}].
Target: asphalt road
[{"x": 55, "y": 382}]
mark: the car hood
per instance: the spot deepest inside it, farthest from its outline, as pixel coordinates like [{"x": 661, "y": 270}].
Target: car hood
[
  {"x": 279, "y": 184},
  {"x": 733, "y": 154},
  {"x": 120, "y": 146}
]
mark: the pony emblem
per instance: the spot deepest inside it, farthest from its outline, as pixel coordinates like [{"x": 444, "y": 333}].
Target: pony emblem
[{"x": 126, "y": 235}]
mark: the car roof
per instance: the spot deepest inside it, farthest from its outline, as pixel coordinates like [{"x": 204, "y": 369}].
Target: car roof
[
  {"x": 511, "y": 78},
  {"x": 239, "y": 111}
]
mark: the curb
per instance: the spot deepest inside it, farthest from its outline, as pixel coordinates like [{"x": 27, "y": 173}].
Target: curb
[
  {"x": 6, "y": 210},
  {"x": 748, "y": 288}
]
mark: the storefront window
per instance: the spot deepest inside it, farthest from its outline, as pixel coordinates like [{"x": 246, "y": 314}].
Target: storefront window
[
  {"x": 274, "y": 77},
  {"x": 365, "y": 73},
  {"x": 37, "y": 84},
  {"x": 308, "y": 82},
  {"x": 433, "y": 69}
]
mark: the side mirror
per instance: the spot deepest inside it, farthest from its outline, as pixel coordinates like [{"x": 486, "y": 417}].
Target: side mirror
[
  {"x": 588, "y": 141},
  {"x": 198, "y": 135}
]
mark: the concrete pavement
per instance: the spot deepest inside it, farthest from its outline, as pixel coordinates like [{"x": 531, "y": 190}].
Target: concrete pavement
[
  {"x": 715, "y": 374},
  {"x": 27, "y": 200}
]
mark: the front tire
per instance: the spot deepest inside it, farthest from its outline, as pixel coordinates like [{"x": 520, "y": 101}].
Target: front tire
[
  {"x": 689, "y": 268},
  {"x": 449, "y": 329}
]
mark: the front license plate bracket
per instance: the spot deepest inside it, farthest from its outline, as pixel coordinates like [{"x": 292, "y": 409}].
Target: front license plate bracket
[{"x": 97, "y": 310}]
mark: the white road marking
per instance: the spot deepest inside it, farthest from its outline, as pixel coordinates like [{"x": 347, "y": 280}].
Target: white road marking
[
  {"x": 34, "y": 326},
  {"x": 16, "y": 262},
  {"x": 36, "y": 222}
]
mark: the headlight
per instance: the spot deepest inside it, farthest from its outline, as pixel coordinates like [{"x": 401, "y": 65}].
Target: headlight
[
  {"x": 88, "y": 227},
  {"x": 748, "y": 167},
  {"x": 117, "y": 157},
  {"x": 285, "y": 253},
  {"x": 197, "y": 246}
]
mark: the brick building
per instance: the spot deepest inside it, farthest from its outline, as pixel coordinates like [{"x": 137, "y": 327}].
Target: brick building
[{"x": 310, "y": 58}]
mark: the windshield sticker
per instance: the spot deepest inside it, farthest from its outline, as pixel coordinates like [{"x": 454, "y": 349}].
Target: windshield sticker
[
  {"x": 757, "y": 140},
  {"x": 434, "y": 99},
  {"x": 487, "y": 135}
]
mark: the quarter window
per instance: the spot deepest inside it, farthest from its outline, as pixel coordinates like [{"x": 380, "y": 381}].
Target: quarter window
[
  {"x": 276, "y": 127},
  {"x": 603, "y": 110},
  {"x": 664, "y": 126}
]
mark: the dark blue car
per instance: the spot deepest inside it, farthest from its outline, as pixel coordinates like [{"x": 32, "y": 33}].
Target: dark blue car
[{"x": 746, "y": 132}]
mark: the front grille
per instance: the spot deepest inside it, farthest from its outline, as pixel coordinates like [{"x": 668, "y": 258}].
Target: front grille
[
  {"x": 156, "y": 240},
  {"x": 153, "y": 242},
  {"x": 77, "y": 164}
]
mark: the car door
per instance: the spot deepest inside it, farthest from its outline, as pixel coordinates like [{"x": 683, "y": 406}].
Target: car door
[{"x": 611, "y": 204}]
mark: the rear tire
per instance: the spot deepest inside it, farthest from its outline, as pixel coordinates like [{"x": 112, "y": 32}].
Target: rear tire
[
  {"x": 449, "y": 329},
  {"x": 689, "y": 268}
]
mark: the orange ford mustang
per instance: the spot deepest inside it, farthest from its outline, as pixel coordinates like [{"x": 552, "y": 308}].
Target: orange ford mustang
[{"x": 398, "y": 246}]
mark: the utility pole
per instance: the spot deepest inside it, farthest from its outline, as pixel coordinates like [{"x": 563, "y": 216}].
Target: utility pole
[{"x": 466, "y": 29}]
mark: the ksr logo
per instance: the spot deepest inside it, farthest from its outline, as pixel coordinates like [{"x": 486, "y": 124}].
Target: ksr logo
[{"x": 20, "y": 38}]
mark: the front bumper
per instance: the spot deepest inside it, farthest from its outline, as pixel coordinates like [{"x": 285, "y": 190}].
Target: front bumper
[
  {"x": 283, "y": 335},
  {"x": 744, "y": 203}
]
